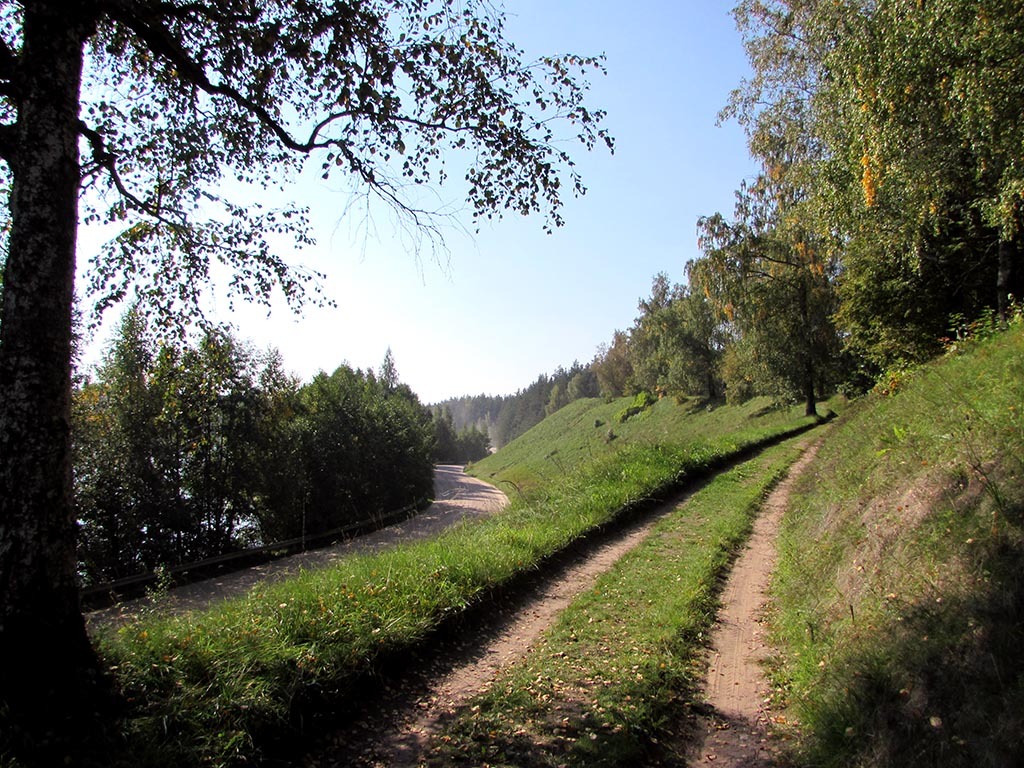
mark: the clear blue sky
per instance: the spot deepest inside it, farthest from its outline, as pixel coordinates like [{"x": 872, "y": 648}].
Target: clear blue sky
[{"x": 512, "y": 302}]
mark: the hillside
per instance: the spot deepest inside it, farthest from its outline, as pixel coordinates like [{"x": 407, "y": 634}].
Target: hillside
[
  {"x": 896, "y": 605},
  {"x": 898, "y": 599},
  {"x": 900, "y": 591},
  {"x": 592, "y": 429}
]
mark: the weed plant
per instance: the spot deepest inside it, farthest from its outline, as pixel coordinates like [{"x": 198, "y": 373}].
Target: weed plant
[
  {"x": 607, "y": 685},
  {"x": 900, "y": 590}
]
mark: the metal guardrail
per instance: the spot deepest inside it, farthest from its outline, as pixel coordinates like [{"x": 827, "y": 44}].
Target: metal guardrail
[{"x": 103, "y": 595}]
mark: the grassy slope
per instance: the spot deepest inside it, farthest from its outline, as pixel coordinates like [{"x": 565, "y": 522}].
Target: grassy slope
[
  {"x": 590, "y": 429},
  {"x": 209, "y": 687},
  {"x": 900, "y": 593}
]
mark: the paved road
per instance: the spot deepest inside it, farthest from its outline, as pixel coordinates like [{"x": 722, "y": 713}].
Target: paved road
[{"x": 457, "y": 496}]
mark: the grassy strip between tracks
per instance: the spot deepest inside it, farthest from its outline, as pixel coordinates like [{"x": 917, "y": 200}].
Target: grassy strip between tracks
[
  {"x": 216, "y": 687},
  {"x": 608, "y": 685}
]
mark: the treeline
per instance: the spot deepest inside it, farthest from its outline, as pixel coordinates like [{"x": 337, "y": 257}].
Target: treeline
[
  {"x": 887, "y": 212},
  {"x": 455, "y": 446},
  {"x": 504, "y": 418},
  {"x": 185, "y": 452}
]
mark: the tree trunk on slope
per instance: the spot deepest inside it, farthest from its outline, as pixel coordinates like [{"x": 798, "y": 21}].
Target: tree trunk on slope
[
  {"x": 48, "y": 671},
  {"x": 810, "y": 401},
  {"x": 807, "y": 382}
]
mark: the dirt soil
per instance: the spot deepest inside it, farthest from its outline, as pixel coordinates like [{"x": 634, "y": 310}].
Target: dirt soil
[
  {"x": 458, "y": 497},
  {"x": 733, "y": 724}
]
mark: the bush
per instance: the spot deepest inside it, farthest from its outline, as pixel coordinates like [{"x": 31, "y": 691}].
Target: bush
[{"x": 641, "y": 403}]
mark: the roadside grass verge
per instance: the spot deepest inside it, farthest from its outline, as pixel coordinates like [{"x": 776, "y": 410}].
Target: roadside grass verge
[
  {"x": 900, "y": 589},
  {"x": 219, "y": 687},
  {"x": 610, "y": 682}
]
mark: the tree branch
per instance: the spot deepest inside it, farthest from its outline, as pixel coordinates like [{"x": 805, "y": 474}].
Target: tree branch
[
  {"x": 162, "y": 42},
  {"x": 102, "y": 158},
  {"x": 8, "y": 62}
]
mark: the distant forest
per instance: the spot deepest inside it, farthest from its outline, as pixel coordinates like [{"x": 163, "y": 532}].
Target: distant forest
[{"x": 504, "y": 418}]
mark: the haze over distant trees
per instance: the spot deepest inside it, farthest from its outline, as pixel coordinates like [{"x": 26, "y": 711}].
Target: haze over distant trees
[
  {"x": 503, "y": 418},
  {"x": 457, "y": 446}
]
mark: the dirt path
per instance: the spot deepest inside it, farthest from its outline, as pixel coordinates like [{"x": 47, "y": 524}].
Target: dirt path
[
  {"x": 458, "y": 497},
  {"x": 423, "y": 699},
  {"x": 733, "y": 732}
]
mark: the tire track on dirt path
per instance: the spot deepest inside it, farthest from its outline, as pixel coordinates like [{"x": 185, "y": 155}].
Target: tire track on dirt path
[
  {"x": 733, "y": 729},
  {"x": 421, "y": 701}
]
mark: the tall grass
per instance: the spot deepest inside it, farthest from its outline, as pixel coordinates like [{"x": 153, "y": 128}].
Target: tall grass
[
  {"x": 217, "y": 687},
  {"x": 900, "y": 592}
]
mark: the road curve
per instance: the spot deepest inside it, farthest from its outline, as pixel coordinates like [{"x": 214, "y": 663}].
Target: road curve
[{"x": 457, "y": 497}]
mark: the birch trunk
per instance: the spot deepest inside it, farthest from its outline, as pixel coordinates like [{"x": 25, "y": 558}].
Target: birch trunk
[{"x": 48, "y": 671}]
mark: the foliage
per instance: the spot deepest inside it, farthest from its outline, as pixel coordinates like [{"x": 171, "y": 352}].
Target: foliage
[
  {"x": 187, "y": 453},
  {"x": 768, "y": 272},
  {"x": 905, "y": 151},
  {"x": 614, "y": 367},
  {"x": 380, "y": 94},
  {"x": 676, "y": 343},
  {"x": 353, "y": 428},
  {"x": 640, "y": 403},
  {"x": 162, "y": 456}
]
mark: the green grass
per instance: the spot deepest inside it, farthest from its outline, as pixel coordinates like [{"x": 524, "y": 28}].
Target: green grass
[
  {"x": 591, "y": 429},
  {"x": 607, "y": 684},
  {"x": 216, "y": 687},
  {"x": 900, "y": 591}
]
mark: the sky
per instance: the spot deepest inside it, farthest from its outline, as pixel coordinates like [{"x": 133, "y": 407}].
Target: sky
[{"x": 504, "y": 305}]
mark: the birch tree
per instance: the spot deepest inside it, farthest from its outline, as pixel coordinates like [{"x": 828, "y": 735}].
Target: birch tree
[{"x": 154, "y": 107}]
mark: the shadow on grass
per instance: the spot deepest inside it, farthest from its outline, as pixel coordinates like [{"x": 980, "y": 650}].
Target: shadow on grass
[{"x": 942, "y": 686}]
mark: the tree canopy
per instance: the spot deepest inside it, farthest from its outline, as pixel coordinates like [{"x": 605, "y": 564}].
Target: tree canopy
[
  {"x": 886, "y": 208},
  {"x": 148, "y": 116},
  {"x": 181, "y": 101}
]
